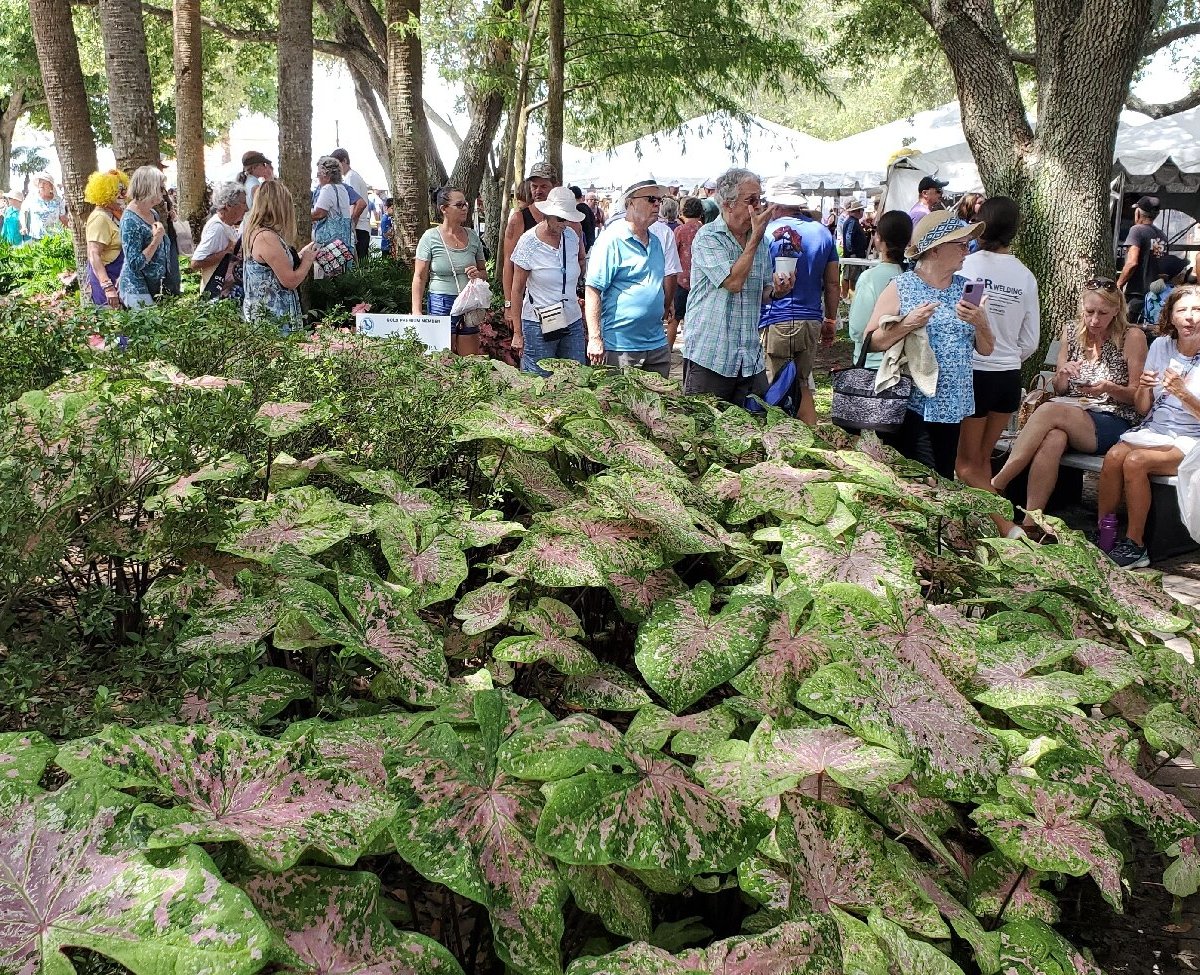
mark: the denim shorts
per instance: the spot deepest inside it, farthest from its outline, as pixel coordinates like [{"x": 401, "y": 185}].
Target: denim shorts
[
  {"x": 1109, "y": 428},
  {"x": 441, "y": 305}
]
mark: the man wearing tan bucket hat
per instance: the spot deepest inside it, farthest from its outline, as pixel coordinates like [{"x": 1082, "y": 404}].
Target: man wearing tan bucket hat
[{"x": 930, "y": 297}]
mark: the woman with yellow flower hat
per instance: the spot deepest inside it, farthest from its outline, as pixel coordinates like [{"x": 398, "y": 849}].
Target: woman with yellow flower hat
[{"x": 106, "y": 192}]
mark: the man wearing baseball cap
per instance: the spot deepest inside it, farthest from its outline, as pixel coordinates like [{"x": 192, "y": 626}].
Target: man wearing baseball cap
[
  {"x": 1144, "y": 247},
  {"x": 711, "y": 210},
  {"x": 624, "y": 296},
  {"x": 929, "y": 198},
  {"x": 541, "y": 180}
]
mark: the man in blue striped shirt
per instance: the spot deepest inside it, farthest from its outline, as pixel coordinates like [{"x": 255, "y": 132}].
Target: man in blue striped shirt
[{"x": 731, "y": 278}]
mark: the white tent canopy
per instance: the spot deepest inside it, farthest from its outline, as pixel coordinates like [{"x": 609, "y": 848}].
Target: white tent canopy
[{"x": 700, "y": 149}]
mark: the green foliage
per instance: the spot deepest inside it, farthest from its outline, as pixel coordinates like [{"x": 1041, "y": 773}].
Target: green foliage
[
  {"x": 380, "y": 282},
  {"x": 458, "y": 667},
  {"x": 39, "y": 267}
]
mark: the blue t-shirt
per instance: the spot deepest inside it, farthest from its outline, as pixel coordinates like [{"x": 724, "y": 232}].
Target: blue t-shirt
[
  {"x": 807, "y": 300},
  {"x": 385, "y": 229},
  {"x": 629, "y": 276}
]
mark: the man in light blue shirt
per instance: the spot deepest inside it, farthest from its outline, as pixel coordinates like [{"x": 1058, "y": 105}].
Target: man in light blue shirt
[{"x": 624, "y": 296}]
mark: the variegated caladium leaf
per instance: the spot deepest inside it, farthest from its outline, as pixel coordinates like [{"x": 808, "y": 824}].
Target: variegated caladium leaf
[
  {"x": 1023, "y": 674},
  {"x": 875, "y": 558},
  {"x": 24, "y": 756},
  {"x": 71, "y": 876},
  {"x": 1034, "y": 948},
  {"x": 609, "y": 688},
  {"x": 225, "y": 785},
  {"x": 327, "y": 921},
  {"x": 310, "y": 617},
  {"x": 806, "y": 945},
  {"x": 229, "y": 627},
  {"x": 788, "y": 657},
  {"x": 530, "y": 478},
  {"x": 1182, "y": 876},
  {"x": 615, "y": 442},
  {"x": 1166, "y": 730},
  {"x": 909, "y": 954},
  {"x": 424, "y": 557},
  {"x": 862, "y": 954},
  {"x": 465, "y": 825},
  {"x": 836, "y": 753},
  {"x": 557, "y": 561},
  {"x": 277, "y": 420},
  {"x": 620, "y": 904},
  {"x": 484, "y": 608},
  {"x": 558, "y": 751},
  {"x": 1169, "y": 674},
  {"x": 309, "y": 519},
  {"x": 636, "y": 591},
  {"x": 251, "y": 702},
  {"x": 507, "y": 422},
  {"x": 184, "y": 491},
  {"x": 691, "y": 734},
  {"x": 484, "y": 530},
  {"x": 364, "y": 747},
  {"x": 938, "y": 642},
  {"x": 779, "y": 489},
  {"x": 1053, "y": 837},
  {"x": 684, "y": 650},
  {"x": 997, "y": 882},
  {"x": 1111, "y": 664},
  {"x": 419, "y": 504},
  {"x": 286, "y": 471},
  {"x": 1098, "y": 764},
  {"x": 654, "y": 817},
  {"x": 840, "y": 859},
  {"x": 670, "y": 428},
  {"x": 953, "y": 755},
  {"x": 394, "y": 638},
  {"x": 652, "y": 502},
  {"x": 552, "y": 624},
  {"x": 924, "y": 819}
]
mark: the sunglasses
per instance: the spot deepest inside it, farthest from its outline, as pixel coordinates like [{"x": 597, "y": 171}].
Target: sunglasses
[
  {"x": 649, "y": 199},
  {"x": 1100, "y": 284}
]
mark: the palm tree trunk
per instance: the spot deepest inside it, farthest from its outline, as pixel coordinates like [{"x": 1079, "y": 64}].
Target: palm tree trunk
[
  {"x": 66, "y": 100},
  {"x": 295, "y": 106},
  {"x": 409, "y": 128},
  {"x": 130, "y": 99},
  {"x": 556, "y": 28},
  {"x": 189, "y": 114}
]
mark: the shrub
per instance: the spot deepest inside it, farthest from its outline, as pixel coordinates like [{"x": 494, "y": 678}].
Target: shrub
[
  {"x": 384, "y": 284},
  {"x": 40, "y": 267}
]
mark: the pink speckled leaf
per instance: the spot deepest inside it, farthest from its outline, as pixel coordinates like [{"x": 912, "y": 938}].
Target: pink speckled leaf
[
  {"x": 310, "y": 618},
  {"x": 252, "y": 702},
  {"x": 424, "y": 558},
  {"x": 997, "y": 882},
  {"x": 691, "y": 734},
  {"x": 636, "y": 591},
  {"x": 231, "y": 786},
  {"x": 394, "y": 638},
  {"x": 1023, "y": 674},
  {"x": 910, "y": 954},
  {"x": 607, "y": 689},
  {"x": 552, "y": 625},
  {"x": 329, "y": 922},
  {"x": 420, "y": 504},
  {"x": 508, "y": 423},
  {"x": 71, "y": 876},
  {"x": 835, "y": 752},
  {"x": 531, "y": 479},
  {"x": 654, "y": 817},
  {"x": 839, "y": 859},
  {"x": 483, "y": 532},
  {"x": 788, "y": 658},
  {"x": 229, "y": 628},
  {"x": 277, "y": 420},
  {"x": 684, "y": 652},
  {"x": 24, "y": 756},
  {"x": 876, "y": 558},
  {"x": 484, "y": 608},
  {"x": 616, "y": 443},
  {"x": 471, "y": 828},
  {"x": 184, "y": 489},
  {"x": 309, "y": 519},
  {"x": 953, "y": 755},
  {"x": 561, "y": 750},
  {"x": 1108, "y": 663},
  {"x": 662, "y": 504},
  {"x": 806, "y": 945},
  {"x": 1054, "y": 836},
  {"x": 779, "y": 489},
  {"x": 1034, "y": 948},
  {"x": 557, "y": 561},
  {"x": 603, "y": 891}
]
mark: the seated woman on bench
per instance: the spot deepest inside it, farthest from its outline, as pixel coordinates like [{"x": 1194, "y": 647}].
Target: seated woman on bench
[
  {"x": 1099, "y": 361},
  {"x": 1169, "y": 390}
]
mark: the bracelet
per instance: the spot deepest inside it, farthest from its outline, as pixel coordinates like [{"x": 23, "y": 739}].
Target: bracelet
[{"x": 830, "y": 321}]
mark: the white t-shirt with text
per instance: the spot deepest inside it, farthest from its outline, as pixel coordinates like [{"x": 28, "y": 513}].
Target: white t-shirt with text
[{"x": 1012, "y": 305}]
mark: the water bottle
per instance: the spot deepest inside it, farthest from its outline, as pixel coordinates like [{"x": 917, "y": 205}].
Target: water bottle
[{"x": 1108, "y": 533}]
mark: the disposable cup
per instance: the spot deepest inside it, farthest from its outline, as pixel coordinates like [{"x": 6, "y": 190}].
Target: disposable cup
[{"x": 785, "y": 266}]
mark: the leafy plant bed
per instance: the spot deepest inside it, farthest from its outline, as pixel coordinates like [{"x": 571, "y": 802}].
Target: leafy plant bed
[{"x": 614, "y": 682}]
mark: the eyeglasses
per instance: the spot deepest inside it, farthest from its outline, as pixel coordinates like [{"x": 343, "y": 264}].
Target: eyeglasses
[
  {"x": 754, "y": 200},
  {"x": 461, "y": 204},
  {"x": 1100, "y": 284},
  {"x": 648, "y": 199}
]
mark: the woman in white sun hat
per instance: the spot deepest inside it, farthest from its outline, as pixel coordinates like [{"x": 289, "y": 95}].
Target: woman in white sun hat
[
  {"x": 930, "y": 297},
  {"x": 547, "y": 263},
  {"x": 43, "y": 211}
]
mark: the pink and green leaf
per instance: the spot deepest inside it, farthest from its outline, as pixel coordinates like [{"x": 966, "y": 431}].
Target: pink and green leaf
[{"x": 484, "y": 608}]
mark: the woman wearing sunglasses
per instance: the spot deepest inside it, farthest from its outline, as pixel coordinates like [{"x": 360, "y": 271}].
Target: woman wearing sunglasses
[
  {"x": 1169, "y": 391},
  {"x": 1095, "y": 381},
  {"x": 448, "y": 256}
]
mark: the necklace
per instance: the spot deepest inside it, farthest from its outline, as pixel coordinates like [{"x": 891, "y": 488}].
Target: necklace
[{"x": 455, "y": 237}]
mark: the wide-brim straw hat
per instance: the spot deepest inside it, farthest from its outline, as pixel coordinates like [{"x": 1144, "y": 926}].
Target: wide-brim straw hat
[
  {"x": 560, "y": 202},
  {"x": 940, "y": 227},
  {"x": 646, "y": 184}
]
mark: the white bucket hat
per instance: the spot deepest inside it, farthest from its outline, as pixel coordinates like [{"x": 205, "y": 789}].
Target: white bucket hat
[{"x": 560, "y": 202}]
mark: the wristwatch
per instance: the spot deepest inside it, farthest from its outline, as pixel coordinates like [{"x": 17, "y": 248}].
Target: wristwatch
[{"x": 508, "y": 304}]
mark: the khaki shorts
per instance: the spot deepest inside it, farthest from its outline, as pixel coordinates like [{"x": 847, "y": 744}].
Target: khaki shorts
[{"x": 792, "y": 341}]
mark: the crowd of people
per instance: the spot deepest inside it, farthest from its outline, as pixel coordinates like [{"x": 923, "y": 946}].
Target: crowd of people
[{"x": 755, "y": 279}]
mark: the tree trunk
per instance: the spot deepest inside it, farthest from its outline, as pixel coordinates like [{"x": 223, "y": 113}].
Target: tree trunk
[
  {"x": 556, "y": 28},
  {"x": 511, "y": 172},
  {"x": 295, "y": 107},
  {"x": 66, "y": 101},
  {"x": 15, "y": 108},
  {"x": 189, "y": 115},
  {"x": 1059, "y": 175},
  {"x": 368, "y": 106},
  {"x": 409, "y": 129},
  {"x": 130, "y": 99},
  {"x": 469, "y": 170}
]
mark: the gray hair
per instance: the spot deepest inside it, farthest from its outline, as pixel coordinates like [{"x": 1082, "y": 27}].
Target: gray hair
[
  {"x": 228, "y": 195},
  {"x": 669, "y": 209},
  {"x": 147, "y": 183},
  {"x": 729, "y": 183},
  {"x": 329, "y": 167}
]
